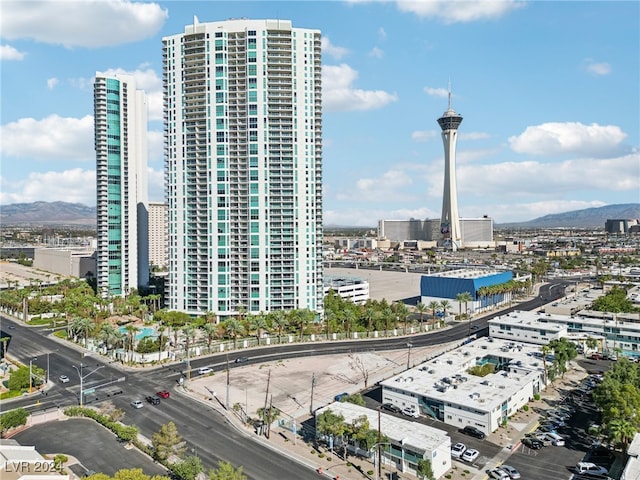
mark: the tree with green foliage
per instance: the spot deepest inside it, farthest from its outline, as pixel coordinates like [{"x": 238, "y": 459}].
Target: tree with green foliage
[
  {"x": 425, "y": 470},
  {"x": 615, "y": 301},
  {"x": 167, "y": 441},
  {"x": 563, "y": 351},
  {"x": 330, "y": 424},
  {"x": 225, "y": 471},
  {"x": 13, "y": 418},
  {"x": 188, "y": 469},
  {"x": 19, "y": 378}
]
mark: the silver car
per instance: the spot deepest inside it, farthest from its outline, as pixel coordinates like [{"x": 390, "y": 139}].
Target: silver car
[
  {"x": 512, "y": 472},
  {"x": 137, "y": 404}
]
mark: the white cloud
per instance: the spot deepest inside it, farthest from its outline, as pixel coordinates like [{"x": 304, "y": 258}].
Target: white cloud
[
  {"x": 155, "y": 139},
  {"x": 392, "y": 184},
  {"x": 529, "y": 179},
  {"x": 339, "y": 95},
  {"x": 597, "y": 68},
  {"x": 460, "y": 11},
  {"x": 472, "y": 135},
  {"x": 368, "y": 217},
  {"x": 375, "y": 52},
  {"x": 148, "y": 80},
  {"x": 382, "y": 34},
  {"x": 423, "y": 135},
  {"x": 86, "y": 23},
  {"x": 155, "y": 181},
  {"x": 75, "y": 186},
  {"x": 333, "y": 50},
  {"x": 52, "y": 138},
  {"x": 7, "y": 52},
  {"x": 436, "y": 92},
  {"x": 569, "y": 138},
  {"x": 52, "y": 82}
]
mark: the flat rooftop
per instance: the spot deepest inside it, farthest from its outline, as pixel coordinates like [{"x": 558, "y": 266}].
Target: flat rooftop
[
  {"x": 528, "y": 319},
  {"x": 410, "y": 433},
  {"x": 446, "y": 377},
  {"x": 465, "y": 273}
]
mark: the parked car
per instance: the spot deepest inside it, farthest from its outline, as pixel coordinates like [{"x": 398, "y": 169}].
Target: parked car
[
  {"x": 512, "y": 472},
  {"x": 532, "y": 443},
  {"x": 474, "y": 432},
  {"x": 588, "y": 468},
  {"x": 540, "y": 436},
  {"x": 470, "y": 455},
  {"x": 457, "y": 450},
  {"x": 163, "y": 394},
  {"x": 205, "y": 370},
  {"x": 411, "y": 412},
  {"x": 341, "y": 397},
  {"x": 63, "y": 379},
  {"x": 498, "y": 474},
  {"x": 153, "y": 400},
  {"x": 390, "y": 407},
  {"x": 137, "y": 404},
  {"x": 555, "y": 439}
]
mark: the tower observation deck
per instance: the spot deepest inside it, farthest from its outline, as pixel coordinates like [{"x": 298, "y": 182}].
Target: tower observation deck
[{"x": 450, "y": 218}]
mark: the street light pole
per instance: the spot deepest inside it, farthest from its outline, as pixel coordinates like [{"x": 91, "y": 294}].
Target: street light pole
[
  {"x": 82, "y": 377},
  {"x": 409, "y": 345},
  {"x": 30, "y": 377}
]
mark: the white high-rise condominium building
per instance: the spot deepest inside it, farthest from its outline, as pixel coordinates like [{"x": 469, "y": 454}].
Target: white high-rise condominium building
[
  {"x": 158, "y": 234},
  {"x": 243, "y": 143},
  {"x": 120, "y": 117}
]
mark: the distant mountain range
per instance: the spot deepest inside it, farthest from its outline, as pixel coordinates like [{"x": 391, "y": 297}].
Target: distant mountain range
[
  {"x": 587, "y": 218},
  {"x": 63, "y": 213}
]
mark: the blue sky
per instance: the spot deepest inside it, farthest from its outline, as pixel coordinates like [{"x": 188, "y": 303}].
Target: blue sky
[{"x": 549, "y": 92}]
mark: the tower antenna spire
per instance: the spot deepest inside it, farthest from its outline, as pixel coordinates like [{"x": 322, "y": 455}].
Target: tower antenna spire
[{"x": 449, "y": 93}]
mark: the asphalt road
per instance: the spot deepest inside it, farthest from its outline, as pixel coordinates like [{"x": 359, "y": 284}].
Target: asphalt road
[{"x": 204, "y": 428}]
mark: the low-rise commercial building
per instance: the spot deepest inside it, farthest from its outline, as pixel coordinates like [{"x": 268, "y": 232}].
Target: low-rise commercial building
[
  {"x": 521, "y": 328},
  {"x": 450, "y": 389},
  {"x": 408, "y": 442},
  {"x": 355, "y": 289}
]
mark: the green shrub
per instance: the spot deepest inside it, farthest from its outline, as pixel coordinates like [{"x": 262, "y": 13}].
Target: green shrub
[
  {"x": 536, "y": 396},
  {"x": 13, "y": 418},
  {"x": 525, "y": 408}
]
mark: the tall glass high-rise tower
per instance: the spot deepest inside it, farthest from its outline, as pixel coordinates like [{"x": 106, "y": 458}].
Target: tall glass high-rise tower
[
  {"x": 450, "y": 218},
  {"x": 243, "y": 149},
  {"x": 120, "y": 129}
]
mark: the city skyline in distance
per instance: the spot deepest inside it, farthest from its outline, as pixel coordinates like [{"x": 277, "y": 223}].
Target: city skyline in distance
[{"x": 548, "y": 91}]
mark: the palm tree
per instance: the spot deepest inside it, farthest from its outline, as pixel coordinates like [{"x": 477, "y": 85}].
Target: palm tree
[
  {"x": 402, "y": 312},
  {"x": 131, "y": 336},
  {"x": 280, "y": 321},
  {"x": 621, "y": 432},
  {"x": 232, "y": 327},
  {"x": 421, "y": 308},
  {"x": 349, "y": 319},
  {"x": 465, "y": 298},
  {"x": 434, "y": 307},
  {"x": 445, "y": 304},
  {"x": 210, "y": 329},
  {"x": 107, "y": 334},
  {"x": 83, "y": 325},
  {"x": 258, "y": 324}
]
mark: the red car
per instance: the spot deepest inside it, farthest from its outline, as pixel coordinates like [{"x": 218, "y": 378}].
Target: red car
[{"x": 163, "y": 394}]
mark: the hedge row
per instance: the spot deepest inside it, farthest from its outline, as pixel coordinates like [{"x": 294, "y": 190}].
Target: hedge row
[{"x": 124, "y": 432}]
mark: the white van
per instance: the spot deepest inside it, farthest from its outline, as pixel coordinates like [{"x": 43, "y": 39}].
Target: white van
[{"x": 555, "y": 439}]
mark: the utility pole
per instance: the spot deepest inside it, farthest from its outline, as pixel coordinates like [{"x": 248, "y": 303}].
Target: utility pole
[
  {"x": 313, "y": 384},
  {"x": 266, "y": 398},
  {"x": 379, "y": 445},
  {"x": 226, "y": 403},
  {"x": 269, "y": 416},
  {"x": 409, "y": 345}
]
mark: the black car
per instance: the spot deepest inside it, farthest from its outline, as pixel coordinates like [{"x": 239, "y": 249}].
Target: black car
[
  {"x": 242, "y": 360},
  {"x": 390, "y": 407},
  {"x": 532, "y": 443},
  {"x": 153, "y": 400},
  {"x": 473, "y": 432}
]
